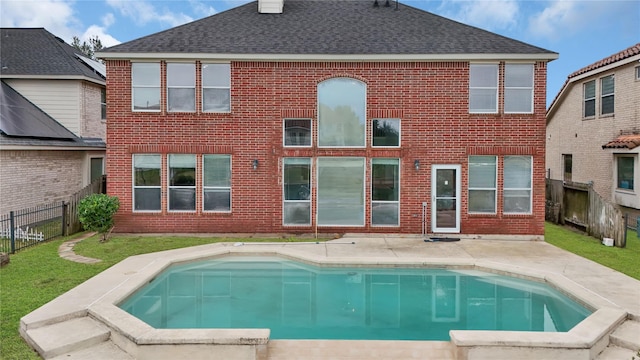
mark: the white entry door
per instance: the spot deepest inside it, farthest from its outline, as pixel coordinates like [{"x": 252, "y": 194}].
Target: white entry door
[{"x": 445, "y": 198}]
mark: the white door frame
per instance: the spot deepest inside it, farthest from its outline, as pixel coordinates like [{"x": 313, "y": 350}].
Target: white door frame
[{"x": 434, "y": 169}]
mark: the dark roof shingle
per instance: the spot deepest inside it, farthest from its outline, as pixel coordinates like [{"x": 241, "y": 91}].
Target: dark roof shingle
[
  {"x": 37, "y": 52},
  {"x": 327, "y": 27}
]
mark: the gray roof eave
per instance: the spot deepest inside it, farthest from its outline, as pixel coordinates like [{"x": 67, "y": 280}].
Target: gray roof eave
[
  {"x": 327, "y": 57},
  {"x": 53, "y": 77}
]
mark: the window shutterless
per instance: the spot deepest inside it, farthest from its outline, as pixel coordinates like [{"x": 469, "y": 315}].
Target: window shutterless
[
  {"x": 296, "y": 188},
  {"x": 145, "y": 82},
  {"x": 518, "y": 172},
  {"x": 483, "y": 88},
  {"x": 181, "y": 87},
  {"x": 216, "y": 178},
  {"x": 182, "y": 182},
  {"x": 589, "y": 89},
  {"x": 518, "y": 88},
  {"x": 216, "y": 87},
  {"x": 146, "y": 182},
  {"x": 482, "y": 184}
]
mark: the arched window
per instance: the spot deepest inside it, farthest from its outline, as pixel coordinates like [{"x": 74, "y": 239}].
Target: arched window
[{"x": 342, "y": 106}]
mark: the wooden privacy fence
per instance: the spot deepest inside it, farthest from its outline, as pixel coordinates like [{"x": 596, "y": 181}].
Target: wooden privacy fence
[
  {"x": 73, "y": 225},
  {"x": 580, "y": 205}
]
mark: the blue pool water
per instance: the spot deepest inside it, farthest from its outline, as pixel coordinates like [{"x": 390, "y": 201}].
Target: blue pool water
[{"x": 299, "y": 301}]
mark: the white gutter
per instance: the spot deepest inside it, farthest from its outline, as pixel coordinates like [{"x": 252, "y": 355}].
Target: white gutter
[{"x": 324, "y": 57}]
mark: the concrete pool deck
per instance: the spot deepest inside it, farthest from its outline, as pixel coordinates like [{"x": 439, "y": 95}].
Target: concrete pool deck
[{"x": 85, "y": 322}]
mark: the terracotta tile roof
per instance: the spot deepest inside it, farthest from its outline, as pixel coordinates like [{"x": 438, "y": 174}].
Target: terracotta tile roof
[
  {"x": 623, "y": 141},
  {"x": 626, "y": 53}
]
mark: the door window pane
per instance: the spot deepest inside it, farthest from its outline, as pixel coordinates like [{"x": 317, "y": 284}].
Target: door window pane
[
  {"x": 341, "y": 113},
  {"x": 297, "y": 191},
  {"x": 341, "y": 191},
  {"x": 146, "y": 182},
  {"x": 216, "y": 187},
  {"x": 385, "y": 189}
]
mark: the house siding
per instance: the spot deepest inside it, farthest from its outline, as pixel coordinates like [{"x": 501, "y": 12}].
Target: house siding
[
  {"x": 37, "y": 177},
  {"x": 569, "y": 133},
  {"x": 61, "y": 99},
  {"x": 93, "y": 126},
  {"x": 430, "y": 98}
]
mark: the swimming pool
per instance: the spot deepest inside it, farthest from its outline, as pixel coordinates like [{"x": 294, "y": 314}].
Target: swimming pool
[{"x": 296, "y": 300}]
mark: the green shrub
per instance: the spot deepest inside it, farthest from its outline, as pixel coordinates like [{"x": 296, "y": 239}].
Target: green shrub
[{"x": 96, "y": 213}]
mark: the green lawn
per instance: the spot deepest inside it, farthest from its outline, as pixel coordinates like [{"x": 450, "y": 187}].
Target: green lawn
[
  {"x": 37, "y": 275},
  {"x": 626, "y": 260}
]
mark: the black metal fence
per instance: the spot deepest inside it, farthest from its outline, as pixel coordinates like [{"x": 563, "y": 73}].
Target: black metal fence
[{"x": 28, "y": 227}]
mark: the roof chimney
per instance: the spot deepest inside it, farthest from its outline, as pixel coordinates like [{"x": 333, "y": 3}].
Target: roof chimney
[{"x": 270, "y": 6}]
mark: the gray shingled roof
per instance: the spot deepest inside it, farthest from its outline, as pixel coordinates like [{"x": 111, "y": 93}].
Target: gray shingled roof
[
  {"x": 38, "y": 52},
  {"x": 23, "y": 123},
  {"x": 332, "y": 27}
]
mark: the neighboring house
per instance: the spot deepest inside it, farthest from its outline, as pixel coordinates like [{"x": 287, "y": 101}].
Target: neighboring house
[
  {"x": 52, "y": 119},
  {"x": 327, "y": 116},
  {"x": 593, "y": 129}
]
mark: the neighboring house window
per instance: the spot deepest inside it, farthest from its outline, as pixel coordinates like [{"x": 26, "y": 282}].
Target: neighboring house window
[
  {"x": 626, "y": 170},
  {"x": 386, "y": 132},
  {"x": 182, "y": 182},
  {"x": 518, "y": 88},
  {"x": 606, "y": 92},
  {"x": 216, "y": 179},
  {"x": 517, "y": 184},
  {"x": 341, "y": 113},
  {"x": 637, "y": 72},
  {"x": 297, "y": 132},
  {"x": 590, "y": 98},
  {"x": 216, "y": 87},
  {"x": 181, "y": 87},
  {"x": 482, "y": 184},
  {"x": 567, "y": 160},
  {"x": 483, "y": 88},
  {"x": 145, "y": 80},
  {"x": 97, "y": 168},
  {"x": 296, "y": 187},
  {"x": 385, "y": 192},
  {"x": 146, "y": 182},
  {"x": 340, "y": 191},
  {"x": 103, "y": 104}
]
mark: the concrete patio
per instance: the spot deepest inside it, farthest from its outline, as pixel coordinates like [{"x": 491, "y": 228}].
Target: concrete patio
[{"x": 85, "y": 320}]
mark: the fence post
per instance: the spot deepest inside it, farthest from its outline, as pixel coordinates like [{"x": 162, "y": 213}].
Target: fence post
[
  {"x": 65, "y": 227},
  {"x": 12, "y": 226}
]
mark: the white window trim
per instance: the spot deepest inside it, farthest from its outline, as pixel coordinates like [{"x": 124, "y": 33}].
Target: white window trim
[
  {"x": 284, "y": 133},
  {"x": 612, "y": 94},
  {"x": 298, "y": 201},
  {"x": 504, "y": 188},
  {"x": 585, "y": 99},
  {"x": 134, "y": 187},
  {"x": 484, "y": 88},
  {"x": 635, "y": 172},
  {"x": 366, "y": 92},
  {"x": 531, "y": 88},
  {"x": 159, "y": 87},
  {"x": 217, "y": 187},
  {"x": 399, "y": 134},
  {"x": 169, "y": 187},
  {"x": 181, "y": 87},
  {"x": 203, "y": 87},
  {"x": 495, "y": 189},
  {"x": 385, "y": 201}
]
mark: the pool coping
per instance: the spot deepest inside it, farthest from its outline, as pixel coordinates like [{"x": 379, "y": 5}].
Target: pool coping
[{"x": 97, "y": 298}]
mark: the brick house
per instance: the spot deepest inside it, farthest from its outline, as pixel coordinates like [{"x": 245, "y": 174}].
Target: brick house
[
  {"x": 593, "y": 129},
  {"x": 53, "y": 119},
  {"x": 327, "y": 116}
]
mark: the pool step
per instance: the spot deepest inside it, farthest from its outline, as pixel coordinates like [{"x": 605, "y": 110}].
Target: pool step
[
  {"x": 360, "y": 350},
  {"x": 627, "y": 335},
  {"x": 67, "y": 336},
  {"x": 103, "y": 351},
  {"x": 616, "y": 353}
]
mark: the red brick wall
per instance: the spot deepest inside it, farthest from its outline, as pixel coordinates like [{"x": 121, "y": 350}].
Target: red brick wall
[{"x": 430, "y": 98}]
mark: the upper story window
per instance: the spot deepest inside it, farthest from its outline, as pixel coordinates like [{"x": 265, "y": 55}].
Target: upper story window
[
  {"x": 567, "y": 160},
  {"x": 386, "y": 132},
  {"x": 589, "y": 98},
  {"x": 637, "y": 72},
  {"x": 341, "y": 113},
  {"x": 606, "y": 94},
  {"x": 103, "y": 103},
  {"x": 483, "y": 88},
  {"x": 297, "y": 132},
  {"x": 216, "y": 87},
  {"x": 518, "y": 88},
  {"x": 145, "y": 80},
  {"x": 181, "y": 87}
]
